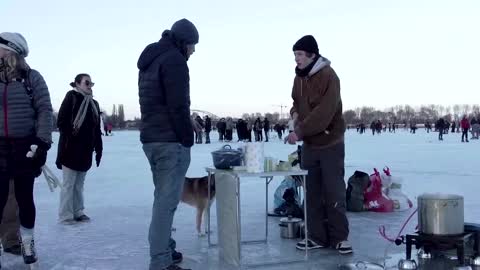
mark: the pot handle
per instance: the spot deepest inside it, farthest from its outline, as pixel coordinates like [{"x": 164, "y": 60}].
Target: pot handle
[{"x": 226, "y": 146}]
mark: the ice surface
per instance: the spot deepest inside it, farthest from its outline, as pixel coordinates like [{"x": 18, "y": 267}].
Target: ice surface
[{"x": 119, "y": 194}]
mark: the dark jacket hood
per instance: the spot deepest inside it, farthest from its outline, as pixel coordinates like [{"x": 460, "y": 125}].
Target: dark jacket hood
[{"x": 152, "y": 51}]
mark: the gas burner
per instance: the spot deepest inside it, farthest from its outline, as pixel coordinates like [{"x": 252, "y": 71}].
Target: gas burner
[
  {"x": 464, "y": 248},
  {"x": 439, "y": 243}
]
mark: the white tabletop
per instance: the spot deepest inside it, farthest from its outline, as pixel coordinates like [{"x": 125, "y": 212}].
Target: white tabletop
[{"x": 243, "y": 173}]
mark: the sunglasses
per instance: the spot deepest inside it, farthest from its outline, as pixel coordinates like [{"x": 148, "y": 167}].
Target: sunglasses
[{"x": 89, "y": 83}]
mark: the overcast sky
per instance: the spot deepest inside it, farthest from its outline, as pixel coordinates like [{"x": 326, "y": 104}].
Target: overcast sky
[{"x": 385, "y": 52}]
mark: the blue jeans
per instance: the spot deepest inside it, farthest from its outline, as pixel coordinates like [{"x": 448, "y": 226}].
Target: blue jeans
[{"x": 169, "y": 163}]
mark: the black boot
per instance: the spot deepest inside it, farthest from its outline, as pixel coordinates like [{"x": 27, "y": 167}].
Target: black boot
[
  {"x": 177, "y": 257},
  {"x": 15, "y": 250}
]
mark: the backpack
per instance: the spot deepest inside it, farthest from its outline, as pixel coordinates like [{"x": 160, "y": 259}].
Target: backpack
[{"x": 357, "y": 184}]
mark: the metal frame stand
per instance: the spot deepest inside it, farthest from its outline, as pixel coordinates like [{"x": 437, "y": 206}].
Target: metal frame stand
[{"x": 268, "y": 179}]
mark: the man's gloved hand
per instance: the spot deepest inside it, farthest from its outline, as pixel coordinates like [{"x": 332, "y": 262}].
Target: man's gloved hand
[{"x": 98, "y": 157}]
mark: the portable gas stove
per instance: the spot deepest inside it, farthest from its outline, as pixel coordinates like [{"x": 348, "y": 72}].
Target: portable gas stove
[{"x": 466, "y": 245}]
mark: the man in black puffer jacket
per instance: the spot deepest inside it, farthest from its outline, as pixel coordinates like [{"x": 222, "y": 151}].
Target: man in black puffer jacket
[{"x": 166, "y": 131}]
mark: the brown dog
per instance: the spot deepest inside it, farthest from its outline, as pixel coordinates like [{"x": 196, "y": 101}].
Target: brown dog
[{"x": 195, "y": 193}]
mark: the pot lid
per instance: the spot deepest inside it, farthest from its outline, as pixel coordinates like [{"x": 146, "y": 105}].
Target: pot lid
[
  {"x": 227, "y": 149},
  {"x": 439, "y": 196},
  {"x": 290, "y": 220}
]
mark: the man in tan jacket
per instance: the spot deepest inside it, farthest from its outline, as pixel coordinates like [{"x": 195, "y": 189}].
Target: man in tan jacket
[
  {"x": 10, "y": 225},
  {"x": 318, "y": 121}
]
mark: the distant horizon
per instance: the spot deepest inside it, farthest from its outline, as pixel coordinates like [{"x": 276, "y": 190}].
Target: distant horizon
[{"x": 473, "y": 108}]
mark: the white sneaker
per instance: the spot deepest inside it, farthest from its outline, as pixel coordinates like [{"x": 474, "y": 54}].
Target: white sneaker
[
  {"x": 311, "y": 245},
  {"x": 344, "y": 247}
]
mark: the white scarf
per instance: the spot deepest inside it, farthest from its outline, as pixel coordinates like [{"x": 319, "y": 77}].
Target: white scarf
[{"x": 82, "y": 111}]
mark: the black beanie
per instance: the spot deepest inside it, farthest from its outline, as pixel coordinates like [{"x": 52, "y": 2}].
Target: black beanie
[
  {"x": 308, "y": 44},
  {"x": 185, "y": 31}
]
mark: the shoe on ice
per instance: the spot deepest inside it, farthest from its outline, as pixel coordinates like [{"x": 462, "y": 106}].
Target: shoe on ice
[
  {"x": 28, "y": 250},
  {"x": 310, "y": 245},
  {"x": 15, "y": 249},
  {"x": 69, "y": 221},
  {"x": 177, "y": 257},
  {"x": 344, "y": 247},
  {"x": 83, "y": 218},
  {"x": 175, "y": 267}
]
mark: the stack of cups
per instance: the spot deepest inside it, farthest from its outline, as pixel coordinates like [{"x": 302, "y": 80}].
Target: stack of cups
[{"x": 254, "y": 159}]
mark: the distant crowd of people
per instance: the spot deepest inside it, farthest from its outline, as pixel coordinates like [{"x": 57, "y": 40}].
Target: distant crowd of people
[
  {"x": 442, "y": 126},
  {"x": 260, "y": 128}
]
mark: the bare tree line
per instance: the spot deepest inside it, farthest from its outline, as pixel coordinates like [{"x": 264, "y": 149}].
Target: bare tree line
[{"x": 407, "y": 113}]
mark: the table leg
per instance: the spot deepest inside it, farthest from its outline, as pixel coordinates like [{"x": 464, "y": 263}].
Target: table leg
[
  {"x": 267, "y": 182},
  {"x": 208, "y": 209},
  {"x": 239, "y": 221},
  {"x": 304, "y": 183}
]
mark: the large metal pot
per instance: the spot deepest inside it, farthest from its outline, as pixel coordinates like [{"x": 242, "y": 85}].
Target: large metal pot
[{"x": 440, "y": 214}]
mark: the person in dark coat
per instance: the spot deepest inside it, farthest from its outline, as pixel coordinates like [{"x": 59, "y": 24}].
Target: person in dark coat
[
  {"x": 243, "y": 127},
  {"x": 221, "y": 127},
  {"x": 229, "y": 125},
  {"x": 257, "y": 127},
  {"x": 166, "y": 131},
  {"x": 238, "y": 126},
  {"x": 440, "y": 126},
  {"x": 25, "y": 136},
  {"x": 208, "y": 128},
  {"x": 278, "y": 129},
  {"x": 199, "y": 130},
  {"x": 80, "y": 135},
  {"x": 266, "y": 128}
]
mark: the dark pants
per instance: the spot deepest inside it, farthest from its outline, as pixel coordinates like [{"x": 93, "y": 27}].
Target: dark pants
[
  {"x": 24, "y": 194},
  {"x": 266, "y": 135},
  {"x": 207, "y": 136},
  {"x": 326, "y": 202},
  {"x": 198, "y": 136},
  {"x": 10, "y": 225},
  {"x": 465, "y": 134},
  {"x": 279, "y": 134},
  {"x": 440, "y": 134},
  {"x": 229, "y": 134}
]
